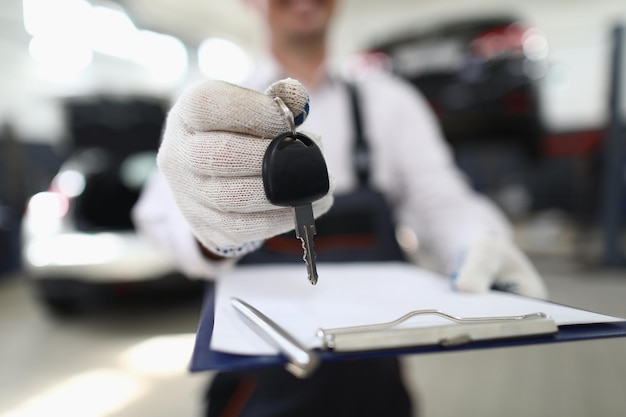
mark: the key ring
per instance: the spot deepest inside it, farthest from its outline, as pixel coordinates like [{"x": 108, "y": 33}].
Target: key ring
[{"x": 288, "y": 114}]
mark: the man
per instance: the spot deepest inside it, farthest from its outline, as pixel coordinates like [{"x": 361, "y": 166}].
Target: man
[{"x": 211, "y": 185}]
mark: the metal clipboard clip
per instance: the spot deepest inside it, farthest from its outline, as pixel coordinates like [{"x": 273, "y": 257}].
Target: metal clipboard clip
[{"x": 389, "y": 336}]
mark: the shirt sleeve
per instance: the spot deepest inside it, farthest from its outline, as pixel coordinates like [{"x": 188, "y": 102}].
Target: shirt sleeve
[
  {"x": 157, "y": 217},
  {"x": 418, "y": 172}
]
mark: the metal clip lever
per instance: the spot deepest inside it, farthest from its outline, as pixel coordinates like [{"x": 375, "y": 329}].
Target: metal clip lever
[
  {"x": 302, "y": 361},
  {"x": 388, "y": 336}
]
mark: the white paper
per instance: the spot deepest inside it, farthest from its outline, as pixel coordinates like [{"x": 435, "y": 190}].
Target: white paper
[{"x": 351, "y": 294}]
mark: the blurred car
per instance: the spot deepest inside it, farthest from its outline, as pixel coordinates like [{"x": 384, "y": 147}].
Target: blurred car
[
  {"x": 78, "y": 238},
  {"x": 9, "y": 241},
  {"x": 479, "y": 75}
]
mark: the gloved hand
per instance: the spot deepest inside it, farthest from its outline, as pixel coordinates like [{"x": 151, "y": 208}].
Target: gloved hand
[
  {"x": 497, "y": 263},
  {"x": 211, "y": 156}
]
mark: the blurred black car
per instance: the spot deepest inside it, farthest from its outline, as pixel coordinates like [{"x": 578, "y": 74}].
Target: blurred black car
[
  {"x": 478, "y": 75},
  {"x": 79, "y": 244}
]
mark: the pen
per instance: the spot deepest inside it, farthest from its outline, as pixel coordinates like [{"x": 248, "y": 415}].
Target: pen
[{"x": 302, "y": 361}]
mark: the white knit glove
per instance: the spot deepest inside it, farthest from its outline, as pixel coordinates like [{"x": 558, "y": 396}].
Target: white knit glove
[
  {"x": 211, "y": 156},
  {"x": 497, "y": 263}
]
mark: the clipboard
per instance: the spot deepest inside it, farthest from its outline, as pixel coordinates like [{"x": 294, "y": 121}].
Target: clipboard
[{"x": 387, "y": 339}]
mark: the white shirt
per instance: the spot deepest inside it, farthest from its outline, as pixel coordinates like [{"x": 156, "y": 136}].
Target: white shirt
[{"x": 410, "y": 163}]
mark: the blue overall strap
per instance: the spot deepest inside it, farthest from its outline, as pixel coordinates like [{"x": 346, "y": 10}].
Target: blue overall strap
[{"x": 361, "y": 149}]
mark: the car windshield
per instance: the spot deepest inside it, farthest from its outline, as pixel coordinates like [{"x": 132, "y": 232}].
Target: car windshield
[{"x": 111, "y": 187}]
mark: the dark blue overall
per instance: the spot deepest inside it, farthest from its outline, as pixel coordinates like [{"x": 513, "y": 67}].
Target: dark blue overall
[{"x": 358, "y": 228}]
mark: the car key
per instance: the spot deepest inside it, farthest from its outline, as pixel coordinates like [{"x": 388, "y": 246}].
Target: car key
[{"x": 295, "y": 175}]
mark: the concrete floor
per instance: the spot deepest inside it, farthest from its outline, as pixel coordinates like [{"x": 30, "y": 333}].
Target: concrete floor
[{"x": 129, "y": 360}]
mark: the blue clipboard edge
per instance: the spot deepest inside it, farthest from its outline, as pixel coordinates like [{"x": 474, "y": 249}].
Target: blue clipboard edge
[{"x": 204, "y": 359}]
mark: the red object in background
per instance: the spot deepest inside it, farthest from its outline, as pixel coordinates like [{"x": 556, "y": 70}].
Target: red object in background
[
  {"x": 499, "y": 40},
  {"x": 579, "y": 143}
]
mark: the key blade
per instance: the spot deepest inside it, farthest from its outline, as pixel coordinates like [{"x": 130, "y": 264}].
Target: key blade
[
  {"x": 305, "y": 230},
  {"x": 309, "y": 254}
]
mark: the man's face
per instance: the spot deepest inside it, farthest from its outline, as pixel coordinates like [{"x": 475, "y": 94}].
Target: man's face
[{"x": 297, "y": 18}]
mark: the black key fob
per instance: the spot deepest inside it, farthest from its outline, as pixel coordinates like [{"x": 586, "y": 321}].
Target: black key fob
[{"x": 294, "y": 171}]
